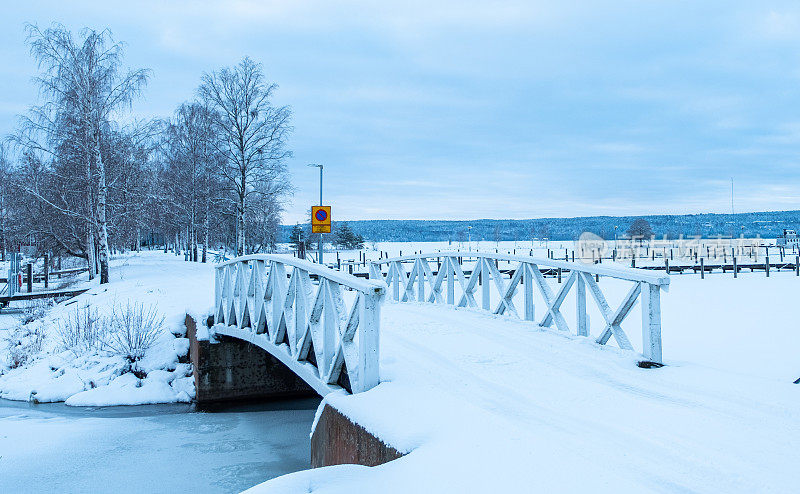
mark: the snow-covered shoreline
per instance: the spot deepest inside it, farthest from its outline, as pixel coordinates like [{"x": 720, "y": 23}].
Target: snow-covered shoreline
[{"x": 168, "y": 284}]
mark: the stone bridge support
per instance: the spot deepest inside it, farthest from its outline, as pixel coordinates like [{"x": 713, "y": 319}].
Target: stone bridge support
[{"x": 230, "y": 369}]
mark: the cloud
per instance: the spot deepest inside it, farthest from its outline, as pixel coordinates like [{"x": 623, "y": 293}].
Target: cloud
[
  {"x": 781, "y": 25},
  {"x": 484, "y": 109}
]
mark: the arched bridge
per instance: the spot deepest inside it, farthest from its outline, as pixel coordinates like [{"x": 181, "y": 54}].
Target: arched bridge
[
  {"x": 326, "y": 330},
  {"x": 324, "y": 325}
]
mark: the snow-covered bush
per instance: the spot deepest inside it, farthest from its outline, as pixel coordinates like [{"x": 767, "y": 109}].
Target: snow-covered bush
[
  {"x": 80, "y": 331},
  {"x": 23, "y": 343},
  {"x": 132, "y": 329},
  {"x": 35, "y": 310}
]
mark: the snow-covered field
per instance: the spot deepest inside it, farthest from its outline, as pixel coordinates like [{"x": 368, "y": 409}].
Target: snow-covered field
[
  {"x": 487, "y": 403},
  {"x": 540, "y": 248}
]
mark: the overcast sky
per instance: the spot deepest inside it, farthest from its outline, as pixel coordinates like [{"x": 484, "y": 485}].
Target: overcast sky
[{"x": 462, "y": 110}]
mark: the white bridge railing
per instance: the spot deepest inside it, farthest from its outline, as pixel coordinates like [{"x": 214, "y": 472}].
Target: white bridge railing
[
  {"x": 421, "y": 283},
  {"x": 271, "y": 301}
]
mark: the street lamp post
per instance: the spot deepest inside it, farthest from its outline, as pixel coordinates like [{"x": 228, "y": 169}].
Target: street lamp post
[{"x": 319, "y": 243}]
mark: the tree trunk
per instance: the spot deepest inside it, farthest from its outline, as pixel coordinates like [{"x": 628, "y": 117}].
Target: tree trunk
[
  {"x": 240, "y": 225},
  {"x": 205, "y": 240},
  {"x": 240, "y": 212},
  {"x": 194, "y": 240},
  {"x": 90, "y": 260},
  {"x": 102, "y": 193}
]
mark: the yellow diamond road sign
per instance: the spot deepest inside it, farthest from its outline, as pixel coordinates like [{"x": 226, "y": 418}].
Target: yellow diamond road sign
[{"x": 321, "y": 219}]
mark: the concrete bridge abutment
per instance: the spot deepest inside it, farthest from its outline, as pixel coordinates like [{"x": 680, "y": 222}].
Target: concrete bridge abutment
[{"x": 230, "y": 369}]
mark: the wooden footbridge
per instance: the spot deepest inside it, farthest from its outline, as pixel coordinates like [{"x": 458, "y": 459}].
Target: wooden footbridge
[{"x": 324, "y": 325}]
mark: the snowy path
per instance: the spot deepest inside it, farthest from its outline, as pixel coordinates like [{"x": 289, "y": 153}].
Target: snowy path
[{"x": 489, "y": 404}]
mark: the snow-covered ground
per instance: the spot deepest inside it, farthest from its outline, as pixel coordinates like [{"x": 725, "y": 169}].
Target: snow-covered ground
[
  {"x": 164, "y": 282},
  {"x": 485, "y": 403}
]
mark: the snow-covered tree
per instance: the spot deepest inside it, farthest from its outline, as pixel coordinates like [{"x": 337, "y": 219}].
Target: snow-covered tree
[
  {"x": 252, "y": 138},
  {"x": 640, "y": 229},
  {"x": 84, "y": 88}
]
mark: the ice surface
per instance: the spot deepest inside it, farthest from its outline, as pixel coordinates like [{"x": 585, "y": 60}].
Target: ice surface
[{"x": 152, "y": 449}]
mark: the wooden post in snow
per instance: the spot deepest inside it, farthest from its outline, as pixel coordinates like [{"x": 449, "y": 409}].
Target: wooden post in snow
[
  {"x": 651, "y": 322},
  {"x": 580, "y": 306},
  {"x": 527, "y": 281},
  {"x": 46, "y": 270},
  {"x": 29, "y": 273}
]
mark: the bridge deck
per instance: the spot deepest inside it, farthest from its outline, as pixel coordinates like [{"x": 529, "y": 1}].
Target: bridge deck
[{"x": 491, "y": 404}]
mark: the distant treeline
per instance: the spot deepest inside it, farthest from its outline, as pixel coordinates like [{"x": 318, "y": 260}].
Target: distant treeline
[{"x": 764, "y": 224}]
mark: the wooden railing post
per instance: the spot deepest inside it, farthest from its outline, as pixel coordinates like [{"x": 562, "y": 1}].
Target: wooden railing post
[
  {"x": 486, "y": 302},
  {"x": 447, "y": 264},
  {"x": 420, "y": 280},
  {"x": 580, "y": 306},
  {"x": 369, "y": 341},
  {"x": 396, "y": 282},
  {"x": 527, "y": 281},
  {"x": 651, "y": 322}
]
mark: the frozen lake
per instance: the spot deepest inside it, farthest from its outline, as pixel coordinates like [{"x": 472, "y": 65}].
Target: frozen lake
[{"x": 157, "y": 448}]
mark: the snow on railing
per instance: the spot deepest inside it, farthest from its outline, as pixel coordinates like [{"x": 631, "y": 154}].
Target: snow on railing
[
  {"x": 270, "y": 301},
  {"x": 422, "y": 284}
]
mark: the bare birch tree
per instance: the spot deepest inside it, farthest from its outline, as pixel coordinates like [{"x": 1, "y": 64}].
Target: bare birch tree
[
  {"x": 192, "y": 160},
  {"x": 253, "y": 136},
  {"x": 84, "y": 86},
  {"x": 5, "y": 178}
]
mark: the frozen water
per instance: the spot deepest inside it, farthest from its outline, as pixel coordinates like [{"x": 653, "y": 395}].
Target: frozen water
[{"x": 153, "y": 448}]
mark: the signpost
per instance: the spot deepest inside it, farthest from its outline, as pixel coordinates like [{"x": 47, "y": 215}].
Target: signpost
[
  {"x": 320, "y": 223},
  {"x": 320, "y": 219},
  {"x": 320, "y": 216}
]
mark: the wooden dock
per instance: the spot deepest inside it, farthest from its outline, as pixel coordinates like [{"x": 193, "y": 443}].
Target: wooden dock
[{"x": 5, "y": 299}]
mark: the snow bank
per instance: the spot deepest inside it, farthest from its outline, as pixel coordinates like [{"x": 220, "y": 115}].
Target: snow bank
[
  {"x": 486, "y": 403},
  {"x": 127, "y": 389},
  {"x": 173, "y": 286}
]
